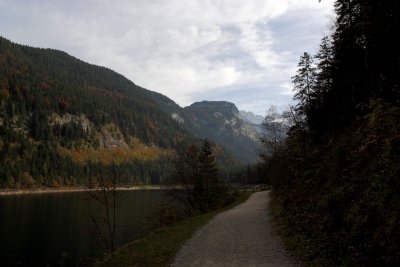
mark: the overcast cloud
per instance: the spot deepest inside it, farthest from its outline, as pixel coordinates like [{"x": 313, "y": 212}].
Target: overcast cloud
[{"x": 243, "y": 51}]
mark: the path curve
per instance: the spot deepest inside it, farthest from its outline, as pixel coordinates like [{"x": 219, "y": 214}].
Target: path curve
[{"x": 241, "y": 236}]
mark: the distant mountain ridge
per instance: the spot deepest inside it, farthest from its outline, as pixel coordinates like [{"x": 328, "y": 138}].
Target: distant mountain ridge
[
  {"x": 251, "y": 117},
  {"x": 221, "y": 121},
  {"x": 255, "y": 120}
]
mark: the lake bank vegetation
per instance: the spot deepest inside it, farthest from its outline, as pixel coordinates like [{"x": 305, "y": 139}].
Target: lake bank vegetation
[{"x": 44, "y": 190}]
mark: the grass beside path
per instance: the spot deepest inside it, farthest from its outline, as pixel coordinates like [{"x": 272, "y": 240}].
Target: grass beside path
[{"x": 159, "y": 247}]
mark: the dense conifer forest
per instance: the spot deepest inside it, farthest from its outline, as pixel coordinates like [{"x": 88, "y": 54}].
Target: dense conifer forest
[{"x": 336, "y": 178}]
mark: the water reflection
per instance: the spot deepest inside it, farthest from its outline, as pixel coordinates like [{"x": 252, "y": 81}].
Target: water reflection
[{"x": 55, "y": 227}]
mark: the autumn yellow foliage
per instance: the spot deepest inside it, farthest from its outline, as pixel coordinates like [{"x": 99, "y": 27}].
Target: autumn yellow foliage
[{"x": 115, "y": 155}]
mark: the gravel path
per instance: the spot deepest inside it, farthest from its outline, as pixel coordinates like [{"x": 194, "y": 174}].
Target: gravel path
[{"x": 241, "y": 236}]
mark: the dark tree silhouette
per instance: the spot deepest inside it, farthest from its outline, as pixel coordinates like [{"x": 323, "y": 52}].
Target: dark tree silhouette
[{"x": 304, "y": 82}]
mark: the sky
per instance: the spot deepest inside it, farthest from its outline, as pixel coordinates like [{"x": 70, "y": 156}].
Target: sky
[{"x": 242, "y": 51}]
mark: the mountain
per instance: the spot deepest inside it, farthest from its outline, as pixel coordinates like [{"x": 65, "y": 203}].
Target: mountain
[
  {"x": 255, "y": 120},
  {"x": 221, "y": 122},
  {"x": 66, "y": 122},
  {"x": 251, "y": 117}
]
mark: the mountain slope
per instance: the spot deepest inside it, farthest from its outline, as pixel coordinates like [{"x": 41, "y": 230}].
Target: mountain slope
[
  {"x": 102, "y": 92},
  {"x": 66, "y": 122},
  {"x": 221, "y": 122}
]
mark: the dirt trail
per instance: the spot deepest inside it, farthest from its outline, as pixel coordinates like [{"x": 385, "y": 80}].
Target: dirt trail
[{"x": 241, "y": 236}]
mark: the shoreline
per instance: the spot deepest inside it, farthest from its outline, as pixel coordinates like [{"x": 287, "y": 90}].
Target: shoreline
[{"x": 10, "y": 192}]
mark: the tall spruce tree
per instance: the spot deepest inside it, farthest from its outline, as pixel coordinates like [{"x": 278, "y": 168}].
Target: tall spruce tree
[
  {"x": 209, "y": 187},
  {"x": 207, "y": 166},
  {"x": 324, "y": 57},
  {"x": 304, "y": 82},
  {"x": 323, "y": 85}
]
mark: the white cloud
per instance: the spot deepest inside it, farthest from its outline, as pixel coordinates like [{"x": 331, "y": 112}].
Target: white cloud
[{"x": 187, "y": 50}]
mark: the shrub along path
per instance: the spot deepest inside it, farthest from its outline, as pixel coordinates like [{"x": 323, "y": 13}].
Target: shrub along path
[{"x": 241, "y": 236}]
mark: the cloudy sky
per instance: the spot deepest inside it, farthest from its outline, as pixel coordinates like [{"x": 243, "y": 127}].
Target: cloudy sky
[{"x": 243, "y": 51}]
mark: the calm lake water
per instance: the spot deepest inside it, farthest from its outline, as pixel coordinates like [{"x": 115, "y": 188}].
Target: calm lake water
[{"x": 55, "y": 228}]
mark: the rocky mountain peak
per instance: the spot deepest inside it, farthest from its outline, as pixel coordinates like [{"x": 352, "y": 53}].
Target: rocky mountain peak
[
  {"x": 221, "y": 122},
  {"x": 251, "y": 117}
]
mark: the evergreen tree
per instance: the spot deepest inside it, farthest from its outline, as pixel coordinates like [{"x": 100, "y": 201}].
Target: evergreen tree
[
  {"x": 323, "y": 82},
  {"x": 323, "y": 85},
  {"x": 207, "y": 166},
  {"x": 304, "y": 82},
  {"x": 209, "y": 188}
]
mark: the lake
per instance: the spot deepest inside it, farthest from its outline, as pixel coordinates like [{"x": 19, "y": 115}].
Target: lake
[{"x": 56, "y": 229}]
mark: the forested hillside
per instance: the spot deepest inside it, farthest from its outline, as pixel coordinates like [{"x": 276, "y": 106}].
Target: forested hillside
[
  {"x": 65, "y": 122},
  {"x": 336, "y": 179}
]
